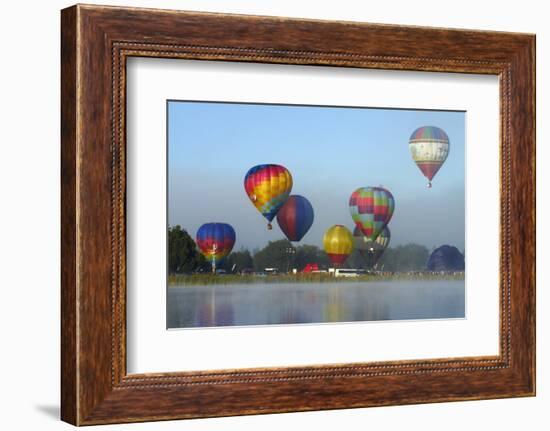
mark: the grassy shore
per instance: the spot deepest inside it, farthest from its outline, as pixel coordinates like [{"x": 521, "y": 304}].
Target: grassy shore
[{"x": 209, "y": 279}]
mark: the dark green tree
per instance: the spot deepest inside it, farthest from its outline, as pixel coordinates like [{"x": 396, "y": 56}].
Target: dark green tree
[
  {"x": 241, "y": 259},
  {"x": 356, "y": 260},
  {"x": 310, "y": 254},
  {"x": 274, "y": 255},
  {"x": 183, "y": 256},
  {"x": 403, "y": 258}
]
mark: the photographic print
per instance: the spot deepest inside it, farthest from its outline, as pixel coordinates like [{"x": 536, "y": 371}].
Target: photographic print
[
  {"x": 298, "y": 202},
  {"x": 295, "y": 214}
]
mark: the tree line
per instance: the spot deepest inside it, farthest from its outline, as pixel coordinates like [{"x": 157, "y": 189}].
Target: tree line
[{"x": 184, "y": 257}]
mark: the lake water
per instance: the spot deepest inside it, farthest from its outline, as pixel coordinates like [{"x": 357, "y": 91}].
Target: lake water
[{"x": 282, "y": 304}]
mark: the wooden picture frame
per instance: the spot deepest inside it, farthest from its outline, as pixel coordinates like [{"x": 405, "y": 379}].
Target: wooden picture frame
[{"x": 95, "y": 43}]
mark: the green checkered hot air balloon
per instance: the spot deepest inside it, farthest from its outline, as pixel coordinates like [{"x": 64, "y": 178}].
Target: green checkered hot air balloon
[{"x": 371, "y": 209}]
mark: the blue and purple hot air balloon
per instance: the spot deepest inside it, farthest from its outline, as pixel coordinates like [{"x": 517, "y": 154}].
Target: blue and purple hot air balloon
[
  {"x": 215, "y": 241},
  {"x": 295, "y": 217}
]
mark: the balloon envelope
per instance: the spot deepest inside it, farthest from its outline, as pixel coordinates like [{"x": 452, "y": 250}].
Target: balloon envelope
[
  {"x": 371, "y": 251},
  {"x": 338, "y": 244},
  {"x": 295, "y": 217},
  {"x": 446, "y": 258},
  {"x": 268, "y": 187},
  {"x": 215, "y": 240},
  {"x": 429, "y": 147},
  {"x": 371, "y": 209}
]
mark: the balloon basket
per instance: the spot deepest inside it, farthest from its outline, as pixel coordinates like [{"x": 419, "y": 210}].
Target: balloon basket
[
  {"x": 269, "y": 226},
  {"x": 429, "y": 185}
]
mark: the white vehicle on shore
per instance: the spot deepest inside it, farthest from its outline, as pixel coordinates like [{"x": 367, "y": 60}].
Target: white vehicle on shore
[{"x": 346, "y": 272}]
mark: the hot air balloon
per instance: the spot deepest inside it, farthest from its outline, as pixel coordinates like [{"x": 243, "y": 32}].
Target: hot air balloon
[
  {"x": 338, "y": 244},
  {"x": 371, "y": 209},
  {"x": 268, "y": 187},
  {"x": 371, "y": 251},
  {"x": 429, "y": 148},
  {"x": 295, "y": 217},
  {"x": 446, "y": 258},
  {"x": 215, "y": 241}
]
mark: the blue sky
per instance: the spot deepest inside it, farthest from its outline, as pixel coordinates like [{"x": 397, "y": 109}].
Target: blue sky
[{"x": 330, "y": 152}]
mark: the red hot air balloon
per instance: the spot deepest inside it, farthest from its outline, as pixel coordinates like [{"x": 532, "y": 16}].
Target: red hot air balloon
[{"x": 295, "y": 217}]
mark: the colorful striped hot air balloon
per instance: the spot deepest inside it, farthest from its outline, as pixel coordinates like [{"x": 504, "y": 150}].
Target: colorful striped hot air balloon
[
  {"x": 338, "y": 244},
  {"x": 429, "y": 148},
  {"x": 295, "y": 217},
  {"x": 215, "y": 241},
  {"x": 371, "y": 209},
  {"x": 371, "y": 251},
  {"x": 268, "y": 187}
]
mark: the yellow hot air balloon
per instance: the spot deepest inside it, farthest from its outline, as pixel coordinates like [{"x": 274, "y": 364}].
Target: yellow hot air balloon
[{"x": 338, "y": 244}]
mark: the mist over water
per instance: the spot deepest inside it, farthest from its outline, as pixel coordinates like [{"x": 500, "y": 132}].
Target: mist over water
[{"x": 291, "y": 303}]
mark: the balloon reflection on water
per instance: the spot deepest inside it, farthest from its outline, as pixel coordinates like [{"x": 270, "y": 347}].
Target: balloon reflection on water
[{"x": 286, "y": 303}]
